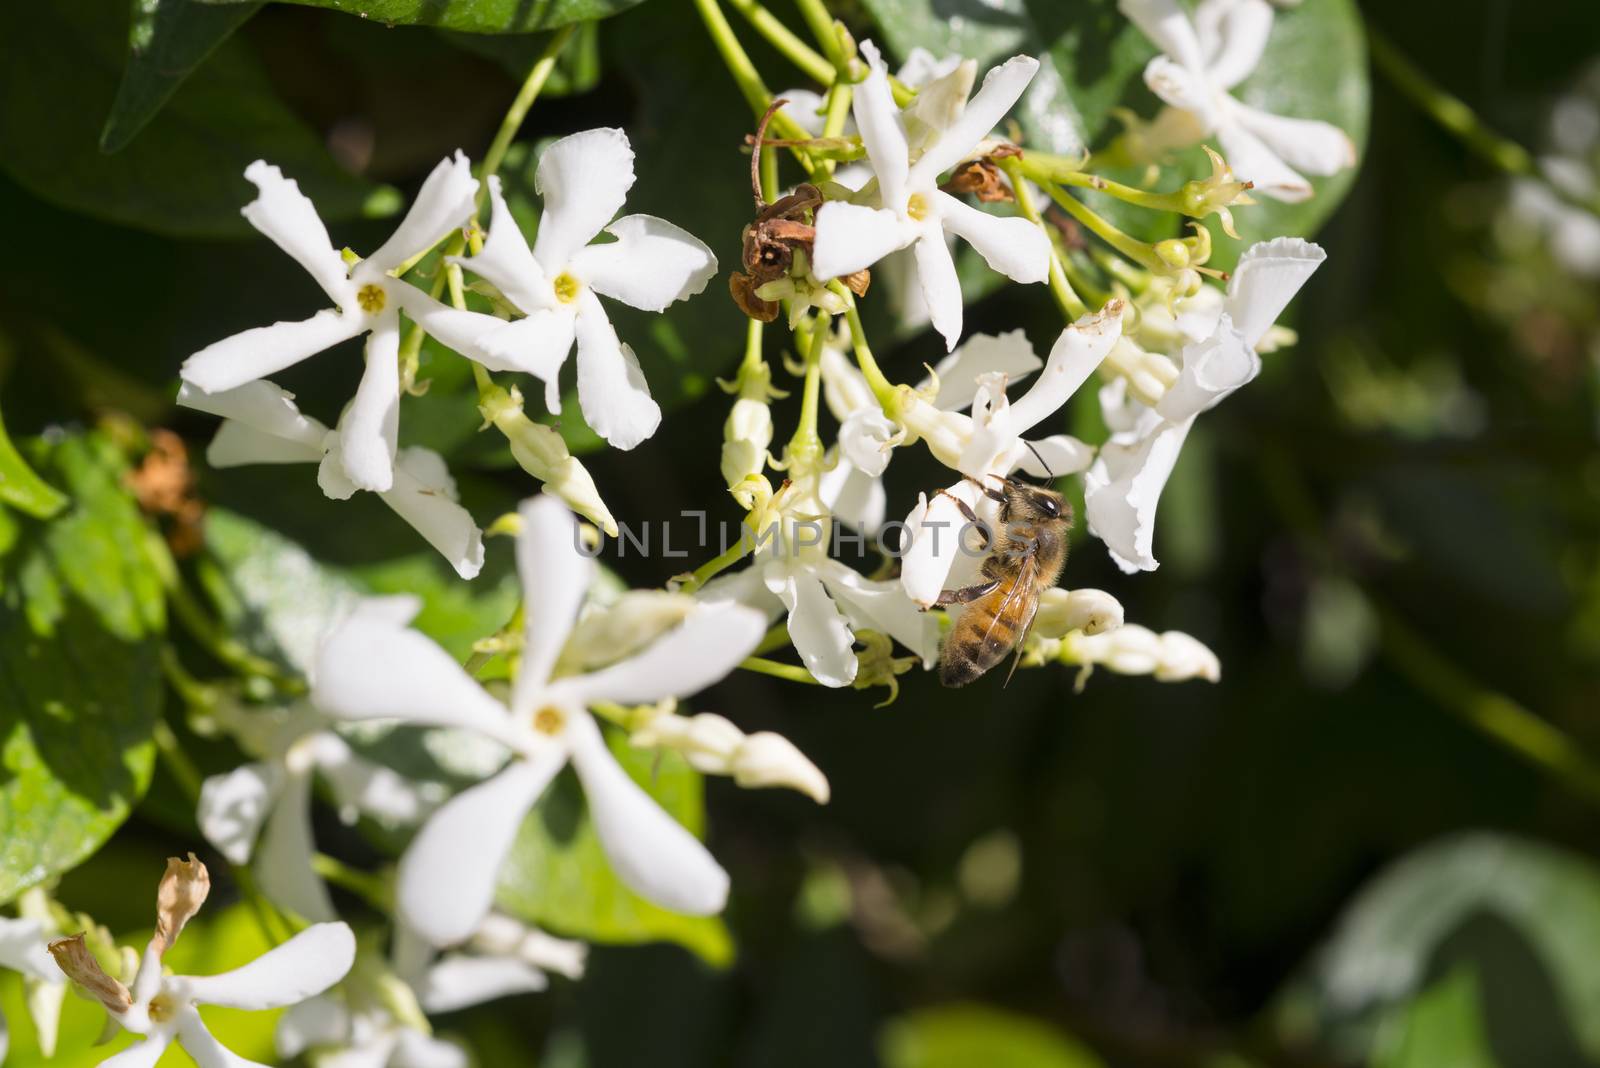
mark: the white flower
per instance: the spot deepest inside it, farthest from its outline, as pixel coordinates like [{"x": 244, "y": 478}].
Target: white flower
[
  {"x": 270, "y": 799},
  {"x": 338, "y": 1035},
  {"x": 368, "y": 299},
  {"x": 826, "y": 602},
  {"x": 262, "y": 425},
  {"x": 853, "y": 487},
  {"x": 162, "y": 1007},
  {"x": 372, "y": 667},
  {"x": 1134, "y": 650},
  {"x": 914, "y": 212},
  {"x": 558, "y": 283},
  {"x": 1209, "y": 56},
  {"x": 989, "y": 445},
  {"x": 1063, "y": 611},
  {"x": 1122, "y": 488},
  {"x": 22, "y": 949},
  {"x": 715, "y": 746}
]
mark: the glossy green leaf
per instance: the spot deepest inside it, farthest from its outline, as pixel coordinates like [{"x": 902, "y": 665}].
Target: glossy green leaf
[
  {"x": 81, "y": 612},
  {"x": 962, "y": 1036},
  {"x": 1528, "y": 909},
  {"x": 20, "y": 487},
  {"x": 185, "y": 174},
  {"x": 167, "y": 39},
  {"x": 577, "y": 68},
  {"x": 1444, "y": 1026},
  {"x": 474, "y": 16},
  {"x": 558, "y": 876}
]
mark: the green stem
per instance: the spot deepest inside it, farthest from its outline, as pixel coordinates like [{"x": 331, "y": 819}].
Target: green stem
[
  {"x": 372, "y": 888},
  {"x": 1137, "y": 251},
  {"x": 518, "y": 111},
  {"x": 717, "y": 564},
  {"x": 1072, "y": 305},
  {"x": 196, "y": 694},
  {"x": 778, "y": 670},
  {"x": 747, "y": 78},
  {"x": 823, "y": 29},
  {"x": 776, "y": 638},
  {"x": 811, "y": 63},
  {"x": 183, "y": 769},
  {"x": 888, "y": 396},
  {"x": 806, "y": 440},
  {"x": 227, "y": 649}
]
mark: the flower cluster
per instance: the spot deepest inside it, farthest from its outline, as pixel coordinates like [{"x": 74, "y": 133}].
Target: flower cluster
[{"x": 586, "y": 672}]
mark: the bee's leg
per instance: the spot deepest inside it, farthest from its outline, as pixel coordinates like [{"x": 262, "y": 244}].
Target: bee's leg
[
  {"x": 970, "y": 516},
  {"x": 967, "y": 594},
  {"x": 998, "y": 496}
]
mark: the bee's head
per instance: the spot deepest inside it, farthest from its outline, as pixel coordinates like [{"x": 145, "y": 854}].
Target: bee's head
[{"x": 1035, "y": 503}]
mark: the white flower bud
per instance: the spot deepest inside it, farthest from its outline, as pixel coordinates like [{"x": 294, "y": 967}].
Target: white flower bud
[
  {"x": 747, "y": 433},
  {"x": 767, "y": 759},
  {"x": 541, "y": 451},
  {"x": 1063, "y": 611},
  {"x": 1135, "y": 650},
  {"x": 606, "y": 634}
]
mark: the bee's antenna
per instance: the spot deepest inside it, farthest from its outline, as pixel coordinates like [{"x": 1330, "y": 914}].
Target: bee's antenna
[{"x": 1036, "y": 456}]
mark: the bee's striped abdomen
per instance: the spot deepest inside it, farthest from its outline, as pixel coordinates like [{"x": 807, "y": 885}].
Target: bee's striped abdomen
[{"x": 980, "y": 639}]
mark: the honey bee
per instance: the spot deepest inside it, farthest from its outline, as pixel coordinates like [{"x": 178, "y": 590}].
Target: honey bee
[{"x": 1025, "y": 558}]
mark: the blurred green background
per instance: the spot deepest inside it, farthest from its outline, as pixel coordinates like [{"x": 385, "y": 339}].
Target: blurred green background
[{"x": 1373, "y": 842}]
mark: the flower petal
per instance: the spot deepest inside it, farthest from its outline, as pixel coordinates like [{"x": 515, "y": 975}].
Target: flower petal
[
  {"x": 302, "y": 967},
  {"x": 283, "y": 860},
  {"x": 236, "y": 445},
  {"x": 854, "y": 497},
  {"x": 1124, "y": 486},
  {"x": 1001, "y": 88},
  {"x": 584, "y": 179},
  {"x": 1212, "y": 369},
  {"x": 445, "y": 201},
  {"x": 459, "y": 981},
  {"x": 651, "y": 264},
  {"x": 819, "y": 631},
  {"x": 1251, "y": 160},
  {"x": 1168, "y": 28},
  {"x": 1014, "y": 246},
  {"x": 232, "y": 809},
  {"x": 1308, "y": 145},
  {"x": 464, "y": 331},
  {"x": 245, "y": 357},
  {"x": 372, "y": 667},
  {"x": 413, "y": 1049},
  {"x": 370, "y": 425},
  {"x": 555, "y": 576},
  {"x": 851, "y": 237},
  {"x": 941, "y": 288},
  {"x": 1078, "y": 351},
  {"x": 698, "y": 652},
  {"x": 22, "y": 949},
  {"x": 200, "y": 1044},
  {"x": 1268, "y": 276},
  {"x": 881, "y": 134},
  {"x": 318, "y": 1021},
  {"x": 361, "y": 786},
  {"x": 287, "y": 216},
  {"x": 1233, "y": 35},
  {"x": 1184, "y": 91},
  {"x": 1055, "y": 456},
  {"x": 447, "y": 876},
  {"x": 1011, "y": 354},
  {"x": 864, "y": 439},
  {"x": 424, "y": 495},
  {"x": 506, "y": 261},
  {"x": 936, "y": 530},
  {"x": 260, "y": 406},
  {"x": 651, "y": 852},
  {"x": 611, "y": 389},
  {"x": 142, "y": 1054},
  {"x": 884, "y": 606}
]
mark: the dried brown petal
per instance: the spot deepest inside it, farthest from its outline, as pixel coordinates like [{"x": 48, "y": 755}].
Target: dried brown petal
[
  {"x": 164, "y": 486},
  {"x": 858, "y": 282},
  {"x": 183, "y": 890},
  {"x": 981, "y": 178},
  {"x": 74, "y": 959},
  {"x": 743, "y": 289}
]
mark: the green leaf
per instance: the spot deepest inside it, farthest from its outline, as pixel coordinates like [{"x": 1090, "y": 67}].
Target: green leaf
[
  {"x": 1529, "y": 910},
  {"x": 167, "y": 39},
  {"x": 185, "y": 174},
  {"x": 1444, "y": 1026},
  {"x": 20, "y": 487},
  {"x": 558, "y": 877},
  {"x": 474, "y": 16},
  {"x": 961, "y": 1036},
  {"x": 81, "y": 612},
  {"x": 577, "y": 68},
  {"x": 1315, "y": 67}
]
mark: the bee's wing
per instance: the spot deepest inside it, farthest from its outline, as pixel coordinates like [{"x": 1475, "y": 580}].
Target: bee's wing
[
  {"x": 1023, "y": 596},
  {"x": 1022, "y": 638}
]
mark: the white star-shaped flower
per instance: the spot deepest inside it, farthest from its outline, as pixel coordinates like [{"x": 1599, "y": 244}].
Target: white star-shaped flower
[
  {"x": 162, "y": 1007},
  {"x": 262, "y": 425},
  {"x": 22, "y": 949},
  {"x": 368, "y": 299},
  {"x": 558, "y": 283},
  {"x": 989, "y": 444},
  {"x": 1123, "y": 486},
  {"x": 269, "y": 800},
  {"x": 1207, "y": 57},
  {"x": 373, "y": 667},
  {"x": 912, "y": 211}
]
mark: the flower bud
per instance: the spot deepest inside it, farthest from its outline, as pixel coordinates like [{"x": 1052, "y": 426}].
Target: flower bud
[
  {"x": 1063, "y": 611},
  {"x": 747, "y": 433},
  {"x": 637, "y": 618},
  {"x": 1135, "y": 650},
  {"x": 767, "y": 759},
  {"x": 542, "y": 453},
  {"x": 1215, "y": 193}
]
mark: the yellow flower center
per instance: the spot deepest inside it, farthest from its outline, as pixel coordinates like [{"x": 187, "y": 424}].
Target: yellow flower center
[
  {"x": 162, "y": 1008},
  {"x": 917, "y": 207},
  {"x": 372, "y": 298},
  {"x": 566, "y": 287},
  {"x": 549, "y": 720}
]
